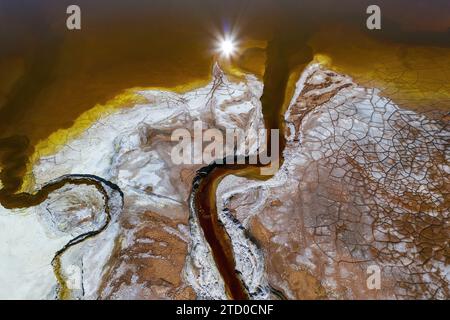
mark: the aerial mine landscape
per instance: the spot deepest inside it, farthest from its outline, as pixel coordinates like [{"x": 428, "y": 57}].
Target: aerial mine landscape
[{"x": 220, "y": 150}]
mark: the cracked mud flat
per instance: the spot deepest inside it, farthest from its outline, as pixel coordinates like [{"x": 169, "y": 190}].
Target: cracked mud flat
[{"x": 363, "y": 183}]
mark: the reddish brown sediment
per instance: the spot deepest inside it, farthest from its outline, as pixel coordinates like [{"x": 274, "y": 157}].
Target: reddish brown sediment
[
  {"x": 204, "y": 193},
  {"x": 41, "y": 95},
  {"x": 204, "y": 207},
  {"x": 351, "y": 200},
  {"x": 205, "y": 185}
]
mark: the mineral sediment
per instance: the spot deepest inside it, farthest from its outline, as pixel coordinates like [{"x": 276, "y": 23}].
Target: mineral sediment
[{"x": 364, "y": 186}]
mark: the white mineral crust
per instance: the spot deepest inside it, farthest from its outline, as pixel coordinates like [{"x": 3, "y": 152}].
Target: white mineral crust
[{"x": 117, "y": 148}]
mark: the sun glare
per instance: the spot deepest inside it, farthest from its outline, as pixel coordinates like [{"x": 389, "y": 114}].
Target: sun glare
[{"x": 227, "y": 47}]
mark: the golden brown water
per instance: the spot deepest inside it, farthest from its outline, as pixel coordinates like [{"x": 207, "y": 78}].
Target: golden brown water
[{"x": 49, "y": 76}]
